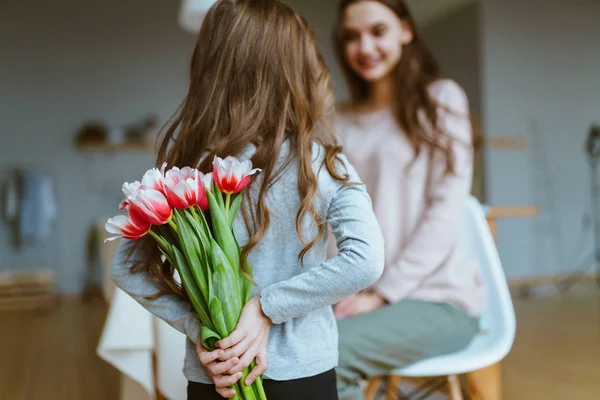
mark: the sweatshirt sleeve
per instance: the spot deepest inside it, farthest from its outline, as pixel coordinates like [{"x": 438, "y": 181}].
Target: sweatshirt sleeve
[
  {"x": 170, "y": 308},
  {"x": 358, "y": 264},
  {"x": 438, "y": 231}
]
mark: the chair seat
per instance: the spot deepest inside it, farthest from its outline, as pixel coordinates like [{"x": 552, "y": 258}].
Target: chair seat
[{"x": 485, "y": 349}]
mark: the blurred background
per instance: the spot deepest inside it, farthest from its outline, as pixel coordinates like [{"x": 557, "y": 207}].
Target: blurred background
[{"x": 86, "y": 85}]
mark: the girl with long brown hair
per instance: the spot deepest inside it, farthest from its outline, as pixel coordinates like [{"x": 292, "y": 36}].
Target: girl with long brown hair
[
  {"x": 407, "y": 131},
  {"x": 258, "y": 90}
]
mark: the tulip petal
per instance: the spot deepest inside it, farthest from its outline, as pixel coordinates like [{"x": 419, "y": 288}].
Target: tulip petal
[
  {"x": 207, "y": 180},
  {"x": 231, "y": 175},
  {"x": 153, "y": 179},
  {"x": 131, "y": 189},
  {"x": 152, "y": 205},
  {"x": 122, "y": 227}
]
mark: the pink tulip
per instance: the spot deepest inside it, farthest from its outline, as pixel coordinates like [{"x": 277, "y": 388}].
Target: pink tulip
[
  {"x": 185, "y": 188},
  {"x": 231, "y": 175},
  {"x": 129, "y": 190},
  {"x": 133, "y": 227},
  {"x": 153, "y": 178},
  {"x": 207, "y": 180},
  {"x": 151, "y": 205}
]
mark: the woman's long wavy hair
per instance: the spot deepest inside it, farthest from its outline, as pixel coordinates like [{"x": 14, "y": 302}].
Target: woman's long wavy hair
[
  {"x": 256, "y": 78},
  {"x": 416, "y": 70}
]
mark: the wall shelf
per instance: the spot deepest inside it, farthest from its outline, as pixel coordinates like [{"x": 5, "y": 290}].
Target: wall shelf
[
  {"x": 505, "y": 142},
  {"x": 125, "y": 147}
]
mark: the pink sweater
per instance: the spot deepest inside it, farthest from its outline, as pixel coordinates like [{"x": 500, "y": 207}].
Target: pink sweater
[{"x": 420, "y": 210}]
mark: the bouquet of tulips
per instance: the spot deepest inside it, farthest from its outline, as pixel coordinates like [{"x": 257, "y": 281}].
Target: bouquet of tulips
[{"x": 190, "y": 216}]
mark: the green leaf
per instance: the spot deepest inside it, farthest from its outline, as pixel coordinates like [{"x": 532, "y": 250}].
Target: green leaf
[
  {"x": 202, "y": 233},
  {"x": 211, "y": 288},
  {"x": 222, "y": 231},
  {"x": 233, "y": 210},
  {"x": 191, "y": 249},
  {"x": 216, "y": 312},
  {"x": 218, "y": 195},
  {"x": 190, "y": 287},
  {"x": 227, "y": 287},
  {"x": 246, "y": 289},
  {"x": 246, "y": 285},
  {"x": 167, "y": 256},
  {"x": 209, "y": 338}
]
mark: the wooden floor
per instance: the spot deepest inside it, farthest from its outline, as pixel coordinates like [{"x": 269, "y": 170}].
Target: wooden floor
[
  {"x": 556, "y": 354},
  {"x": 52, "y": 357}
]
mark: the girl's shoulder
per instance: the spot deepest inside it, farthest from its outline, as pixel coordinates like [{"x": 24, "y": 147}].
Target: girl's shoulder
[{"x": 328, "y": 185}]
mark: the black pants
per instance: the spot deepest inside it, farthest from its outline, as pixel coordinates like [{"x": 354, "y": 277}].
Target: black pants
[{"x": 319, "y": 387}]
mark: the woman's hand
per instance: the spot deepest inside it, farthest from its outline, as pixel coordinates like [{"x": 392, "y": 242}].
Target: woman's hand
[
  {"x": 218, "y": 370},
  {"x": 248, "y": 342},
  {"x": 359, "y": 303}
]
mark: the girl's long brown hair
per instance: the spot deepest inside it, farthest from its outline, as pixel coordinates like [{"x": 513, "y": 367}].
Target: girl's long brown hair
[
  {"x": 416, "y": 70},
  {"x": 256, "y": 78}
]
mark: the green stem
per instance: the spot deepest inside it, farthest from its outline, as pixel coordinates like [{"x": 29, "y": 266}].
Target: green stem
[
  {"x": 247, "y": 391},
  {"x": 173, "y": 225},
  {"x": 260, "y": 389},
  {"x": 194, "y": 213},
  {"x": 238, "y": 392},
  {"x": 227, "y": 204},
  {"x": 162, "y": 243},
  {"x": 258, "y": 384}
]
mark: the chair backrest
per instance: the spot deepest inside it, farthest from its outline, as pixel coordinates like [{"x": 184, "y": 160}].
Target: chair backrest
[{"x": 499, "y": 318}]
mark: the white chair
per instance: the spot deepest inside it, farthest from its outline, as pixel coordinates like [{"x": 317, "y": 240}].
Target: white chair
[{"x": 498, "y": 324}]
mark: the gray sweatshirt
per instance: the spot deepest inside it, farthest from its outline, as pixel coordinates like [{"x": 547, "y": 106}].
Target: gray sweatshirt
[{"x": 298, "y": 299}]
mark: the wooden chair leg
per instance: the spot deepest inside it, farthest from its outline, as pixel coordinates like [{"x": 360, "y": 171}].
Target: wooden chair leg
[
  {"x": 372, "y": 388},
  {"x": 158, "y": 395},
  {"x": 454, "y": 388},
  {"x": 485, "y": 384},
  {"x": 391, "y": 392}
]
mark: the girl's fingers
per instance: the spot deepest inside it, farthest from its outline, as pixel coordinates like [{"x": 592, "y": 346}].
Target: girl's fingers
[
  {"x": 245, "y": 360},
  {"x": 261, "y": 367},
  {"x": 237, "y": 336},
  {"x": 226, "y": 393},
  {"x": 237, "y": 350},
  {"x": 224, "y": 381},
  {"x": 206, "y": 357},
  {"x": 219, "y": 368}
]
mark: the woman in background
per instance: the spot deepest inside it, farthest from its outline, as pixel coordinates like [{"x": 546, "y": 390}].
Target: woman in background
[{"x": 407, "y": 131}]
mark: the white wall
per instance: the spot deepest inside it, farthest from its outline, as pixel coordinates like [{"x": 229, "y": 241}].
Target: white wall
[
  {"x": 541, "y": 72},
  {"x": 455, "y": 42},
  {"x": 63, "y": 63},
  {"x": 455, "y": 39},
  {"x": 321, "y": 16}
]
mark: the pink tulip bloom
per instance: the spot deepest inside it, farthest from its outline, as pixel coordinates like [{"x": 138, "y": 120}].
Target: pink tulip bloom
[
  {"x": 231, "y": 175},
  {"x": 133, "y": 227},
  {"x": 185, "y": 188},
  {"x": 151, "y": 205},
  {"x": 153, "y": 178},
  {"x": 207, "y": 180},
  {"x": 130, "y": 190}
]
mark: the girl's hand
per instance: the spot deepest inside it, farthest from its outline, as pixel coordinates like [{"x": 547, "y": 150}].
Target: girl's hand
[
  {"x": 248, "y": 341},
  {"x": 359, "y": 303},
  {"x": 218, "y": 370}
]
